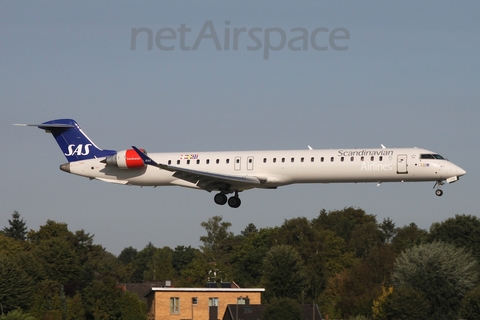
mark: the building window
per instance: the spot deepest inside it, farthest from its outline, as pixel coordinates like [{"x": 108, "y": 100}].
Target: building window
[
  {"x": 174, "y": 305},
  {"x": 213, "y": 302},
  {"x": 195, "y": 300}
]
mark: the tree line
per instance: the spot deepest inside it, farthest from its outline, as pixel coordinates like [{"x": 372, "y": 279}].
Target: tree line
[{"x": 346, "y": 261}]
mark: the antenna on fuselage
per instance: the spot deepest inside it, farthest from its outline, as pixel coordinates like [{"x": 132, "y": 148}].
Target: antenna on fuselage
[{"x": 383, "y": 147}]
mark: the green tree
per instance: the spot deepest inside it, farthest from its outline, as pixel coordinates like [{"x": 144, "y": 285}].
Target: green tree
[
  {"x": 160, "y": 266},
  {"x": 102, "y": 300},
  {"x": 470, "y": 309},
  {"x": 405, "y": 303},
  {"x": 443, "y": 273},
  {"x": 215, "y": 240},
  {"x": 182, "y": 256},
  {"x": 284, "y": 274},
  {"x": 132, "y": 308},
  {"x": 141, "y": 262},
  {"x": 59, "y": 260},
  {"x": 75, "y": 308},
  {"x": 408, "y": 236},
  {"x": 17, "y": 229},
  {"x": 388, "y": 229},
  {"x": 342, "y": 222},
  {"x": 284, "y": 308},
  {"x": 248, "y": 257},
  {"x": 18, "y": 315},
  {"x": 127, "y": 255},
  {"x": 16, "y": 287},
  {"x": 463, "y": 231}
]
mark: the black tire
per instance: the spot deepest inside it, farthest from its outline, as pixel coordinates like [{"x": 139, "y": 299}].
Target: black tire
[
  {"x": 234, "y": 202},
  {"x": 439, "y": 192},
  {"x": 220, "y": 199}
]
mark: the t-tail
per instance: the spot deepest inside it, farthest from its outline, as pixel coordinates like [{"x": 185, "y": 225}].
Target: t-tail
[{"x": 72, "y": 140}]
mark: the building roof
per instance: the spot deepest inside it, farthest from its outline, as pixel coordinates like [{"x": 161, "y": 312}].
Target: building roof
[{"x": 239, "y": 290}]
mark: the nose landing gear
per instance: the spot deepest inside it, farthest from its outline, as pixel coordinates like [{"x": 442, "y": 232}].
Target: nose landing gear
[{"x": 439, "y": 191}]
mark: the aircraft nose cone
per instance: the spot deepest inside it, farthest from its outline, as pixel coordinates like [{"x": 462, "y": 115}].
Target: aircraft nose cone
[
  {"x": 461, "y": 172},
  {"x": 65, "y": 167}
]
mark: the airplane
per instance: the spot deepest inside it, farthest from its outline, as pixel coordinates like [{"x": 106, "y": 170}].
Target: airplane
[{"x": 231, "y": 172}]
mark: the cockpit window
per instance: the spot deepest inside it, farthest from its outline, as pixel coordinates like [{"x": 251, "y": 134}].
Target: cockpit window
[{"x": 431, "y": 156}]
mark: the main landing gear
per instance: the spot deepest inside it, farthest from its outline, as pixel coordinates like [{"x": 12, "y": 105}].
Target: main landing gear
[
  {"x": 233, "y": 201},
  {"x": 439, "y": 191}
]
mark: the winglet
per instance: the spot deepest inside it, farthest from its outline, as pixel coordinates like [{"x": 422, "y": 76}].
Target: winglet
[{"x": 146, "y": 159}]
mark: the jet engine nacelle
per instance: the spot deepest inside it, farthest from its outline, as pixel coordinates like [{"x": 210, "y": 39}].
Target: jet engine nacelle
[{"x": 126, "y": 159}]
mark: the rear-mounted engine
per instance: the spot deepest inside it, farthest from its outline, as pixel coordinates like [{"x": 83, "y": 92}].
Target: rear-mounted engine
[{"x": 127, "y": 159}]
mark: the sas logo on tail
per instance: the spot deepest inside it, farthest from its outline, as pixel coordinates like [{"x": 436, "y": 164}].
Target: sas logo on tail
[{"x": 80, "y": 150}]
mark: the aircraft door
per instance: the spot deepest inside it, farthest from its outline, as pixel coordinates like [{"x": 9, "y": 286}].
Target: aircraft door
[
  {"x": 250, "y": 163},
  {"x": 402, "y": 164},
  {"x": 238, "y": 163}
]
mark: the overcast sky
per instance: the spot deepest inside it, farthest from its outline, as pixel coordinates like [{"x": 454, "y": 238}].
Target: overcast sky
[{"x": 399, "y": 73}]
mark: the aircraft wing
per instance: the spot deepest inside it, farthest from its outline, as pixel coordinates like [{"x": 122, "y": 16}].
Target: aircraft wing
[{"x": 208, "y": 181}]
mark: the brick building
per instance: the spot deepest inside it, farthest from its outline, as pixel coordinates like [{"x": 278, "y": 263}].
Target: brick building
[{"x": 196, "y": 303}]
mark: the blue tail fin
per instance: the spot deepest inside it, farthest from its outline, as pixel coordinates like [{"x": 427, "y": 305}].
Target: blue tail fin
[{"x": 74, "y": 143}]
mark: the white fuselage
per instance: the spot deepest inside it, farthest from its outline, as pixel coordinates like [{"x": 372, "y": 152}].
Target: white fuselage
[{"x": 278, "y": 168}]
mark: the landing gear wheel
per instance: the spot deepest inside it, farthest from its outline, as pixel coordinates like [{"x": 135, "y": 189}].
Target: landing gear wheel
[
  {"x": 439, "y": 192},
  {"x": 220, "y": 199},
  {"x": 234, "y": 202}
]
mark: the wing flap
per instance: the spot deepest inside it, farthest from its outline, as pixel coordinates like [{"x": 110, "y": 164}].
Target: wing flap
[{"x": 212, "y": 181}]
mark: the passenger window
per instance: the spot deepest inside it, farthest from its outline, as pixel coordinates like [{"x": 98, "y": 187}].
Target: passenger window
[
  {"x": 372, "y": 158},
  {"x": 301, "y": 159},
  {"x": 380, "y": 158},
  {"x": 217, "y": 161},
  {"x": 362, "y": 158},
  {"x": 198, "y": 161},
  {"x": 274, "y": 160},
  {"x": 322, "y": 159},
  {"x": 188, "y": 161},
  {"x": 228, "y": 161},
  {"x": 352, "y": 158},
  {"x": 237, "y": 160},
  {"x": 264, "y": 160},
  {"x": 332, "y": 158},
  {"x": 312, "y": 159},
  {"x": 283, "y": 159},
  {"x": 208, "y": 161},
  {"x": 250, "y": 160},
  {"x": 342, "y": 158},
  {"x": 293, "y": 159},
  {"x": 169, "y": 162},
  {"x": 178, "y": 161}
]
